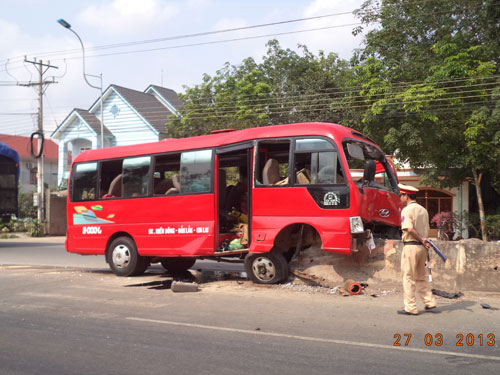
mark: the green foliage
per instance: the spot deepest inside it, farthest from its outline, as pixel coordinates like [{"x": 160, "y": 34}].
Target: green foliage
[
  {"x": 425, "y": 87},
  {"x": 285, "y": 88},
  {"x": 7, "y": 227},
  {"x": 493, "y": 226},
  {"x": 26, "y": 208},
  {"x": 35, "y": 229}
]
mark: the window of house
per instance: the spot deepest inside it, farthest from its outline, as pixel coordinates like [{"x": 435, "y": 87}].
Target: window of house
[
  {"x": 33, "y": 179},
  {"x": 434, "y": 202},
  {"x": 84, "y": 181}
]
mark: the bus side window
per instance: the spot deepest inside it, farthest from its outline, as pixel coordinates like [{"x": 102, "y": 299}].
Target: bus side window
[
  {"x": 316, "y": 162},
  {"x": 84, "y": 182},
  {"x": 272, "y": 163},
  {"x": 111, "y": 179},
  {"x": 136, "y": 176},
  {"x": 166, "y": 174},
  {"x": 196, "y": 171}
]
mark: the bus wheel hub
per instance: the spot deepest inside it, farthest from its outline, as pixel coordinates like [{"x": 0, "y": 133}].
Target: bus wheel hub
[
  {"x": 121, "y": 256},
  {"x": 264, "y": 269}
]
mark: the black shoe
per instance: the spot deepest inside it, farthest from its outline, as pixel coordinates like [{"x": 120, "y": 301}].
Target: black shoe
[
  {"x": 404, "y": 312},
  {"x": 427, "y": 308}
]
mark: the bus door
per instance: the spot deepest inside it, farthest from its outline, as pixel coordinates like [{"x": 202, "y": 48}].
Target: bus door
[
  {"x": 181, "y": 216},
  {"x": 234, "y": 163},
  {"x": 381, "y": 203}
]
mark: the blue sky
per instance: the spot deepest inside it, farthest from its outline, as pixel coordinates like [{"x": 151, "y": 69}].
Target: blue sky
[{"x": 29, "y": 28}]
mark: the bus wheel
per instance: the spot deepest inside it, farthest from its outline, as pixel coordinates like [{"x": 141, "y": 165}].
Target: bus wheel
[
  {"x": 176, "y": 265},
  {"x": 123, "y": 258},
  {"x": 267, "y": 268}
]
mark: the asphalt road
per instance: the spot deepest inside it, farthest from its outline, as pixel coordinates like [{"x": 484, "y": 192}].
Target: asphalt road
[
  {"x": 84, "y": 320},
  {"x": 49, "y": 252}
]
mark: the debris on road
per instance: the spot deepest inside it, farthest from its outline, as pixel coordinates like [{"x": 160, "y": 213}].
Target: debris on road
[
  {"x": 182, "y": 287},
  {"x": 440, "y": 293},
  {"x": 352, "y": 287},
  {"x": 486, "y": 306}
]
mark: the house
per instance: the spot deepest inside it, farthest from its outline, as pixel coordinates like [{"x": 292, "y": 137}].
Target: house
[
  {"x": 28, "y": 164},
  {"x": 129, "y": 117},
  {"x": 437, "y": 200}
]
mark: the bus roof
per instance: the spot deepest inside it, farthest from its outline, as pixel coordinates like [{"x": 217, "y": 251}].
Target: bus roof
[{"x": 334, "y": 131}]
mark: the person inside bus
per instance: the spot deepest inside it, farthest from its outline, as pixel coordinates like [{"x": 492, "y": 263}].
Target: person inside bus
[{"x": 236, "y": 197}]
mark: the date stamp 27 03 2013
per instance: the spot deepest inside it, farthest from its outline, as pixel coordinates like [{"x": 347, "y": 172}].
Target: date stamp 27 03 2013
[{"x": 438, "y": 339}]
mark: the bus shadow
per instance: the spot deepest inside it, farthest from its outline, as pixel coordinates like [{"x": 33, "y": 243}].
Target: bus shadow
[
  {"x": 12, "y": 244},
  {"x": 190, "y": 276},
  {"x": 154, "y": 285}
]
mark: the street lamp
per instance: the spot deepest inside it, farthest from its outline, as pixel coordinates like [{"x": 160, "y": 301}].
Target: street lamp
[{"x": 67, "y": 25}]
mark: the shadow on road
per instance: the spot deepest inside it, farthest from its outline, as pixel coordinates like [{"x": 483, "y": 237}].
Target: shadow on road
[
  {"x": 193, "y": 276},
  {"x": 27, "y": 244},
  {"x": 459, "y": 305}
]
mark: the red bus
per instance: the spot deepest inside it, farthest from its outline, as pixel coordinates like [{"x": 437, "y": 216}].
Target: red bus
[{"x": 254, "y": 195}]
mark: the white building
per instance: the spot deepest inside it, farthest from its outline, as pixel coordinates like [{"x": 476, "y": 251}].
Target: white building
[{"x": 129, "y": 117}]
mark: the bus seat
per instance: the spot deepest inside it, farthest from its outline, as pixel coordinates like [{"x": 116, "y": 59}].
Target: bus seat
[
  {"x": 177, "y": 186},
  {"x": 271, "y": 172},
  {"x": 303, "y": 176},
  {"x": 369, "y": 172},
  {"x": 115, "y": 188},
  {"x": 162, "y": 186}
]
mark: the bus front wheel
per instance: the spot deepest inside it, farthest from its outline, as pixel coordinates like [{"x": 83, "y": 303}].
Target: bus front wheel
[
  {"x": 266, "y": 268},
  {"x": 123, "y": 258}
]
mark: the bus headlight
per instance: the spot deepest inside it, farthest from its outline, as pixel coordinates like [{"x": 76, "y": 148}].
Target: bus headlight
[{"x": 356, "y": 224}]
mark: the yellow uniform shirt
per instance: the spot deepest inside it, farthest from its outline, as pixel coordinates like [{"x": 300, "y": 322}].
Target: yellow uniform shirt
[{"x": 414, "y": 216}]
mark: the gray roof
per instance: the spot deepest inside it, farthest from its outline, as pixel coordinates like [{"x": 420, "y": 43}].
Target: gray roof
[
  {"x": 169, "y": 95},
  {"x": 147, "y": 106},
  {"x": 93, "y": 121}
]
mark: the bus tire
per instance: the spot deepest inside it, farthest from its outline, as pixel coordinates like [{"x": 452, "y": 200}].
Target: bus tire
[
  {"x": 176, "y": 265},
  {"x": 123, "y": 258},
  {"x": 266, "y": 268}
]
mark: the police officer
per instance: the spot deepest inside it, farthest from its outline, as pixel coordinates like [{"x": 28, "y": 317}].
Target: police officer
[{"x": 415, "y": 227}]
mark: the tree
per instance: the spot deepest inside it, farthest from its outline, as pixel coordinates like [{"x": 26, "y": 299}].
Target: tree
[
  {"x": 435, "y": 92},
  {"x": 285, "y": 88}
]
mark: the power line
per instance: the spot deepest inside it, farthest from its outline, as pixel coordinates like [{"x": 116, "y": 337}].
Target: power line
[
  {"x": 157, "y": 40},
  {"x": 457, "y": 92},
  {"x": 192, "y": 35},
  {"x": 17, "y": 113},
  {"x": 212, "y": 42}
]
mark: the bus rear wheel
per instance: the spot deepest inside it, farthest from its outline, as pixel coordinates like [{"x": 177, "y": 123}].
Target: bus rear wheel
[
  {"x": 266, "y": 268},
  {"x": 123, "y": 258},
  {"x": 176, "y": 265}
]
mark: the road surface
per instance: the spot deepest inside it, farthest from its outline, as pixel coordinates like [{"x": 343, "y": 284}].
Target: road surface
[{"x": 84, "y": 320}]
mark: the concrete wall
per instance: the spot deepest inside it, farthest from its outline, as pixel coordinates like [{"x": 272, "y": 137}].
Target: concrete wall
[
  {"x": 471, "y": 264},
  {"x": 55, "y": 210}
]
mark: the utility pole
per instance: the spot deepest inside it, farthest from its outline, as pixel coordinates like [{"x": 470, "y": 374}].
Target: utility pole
[{"x": 42, "y": 86}]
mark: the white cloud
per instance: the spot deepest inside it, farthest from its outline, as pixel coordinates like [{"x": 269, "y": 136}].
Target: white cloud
[
  {"x": 69, "y": 90},
  {"x": 229, "y": 23},
  {"x": 128, "y": 16},
  {"x": 337, "y": 39}
]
